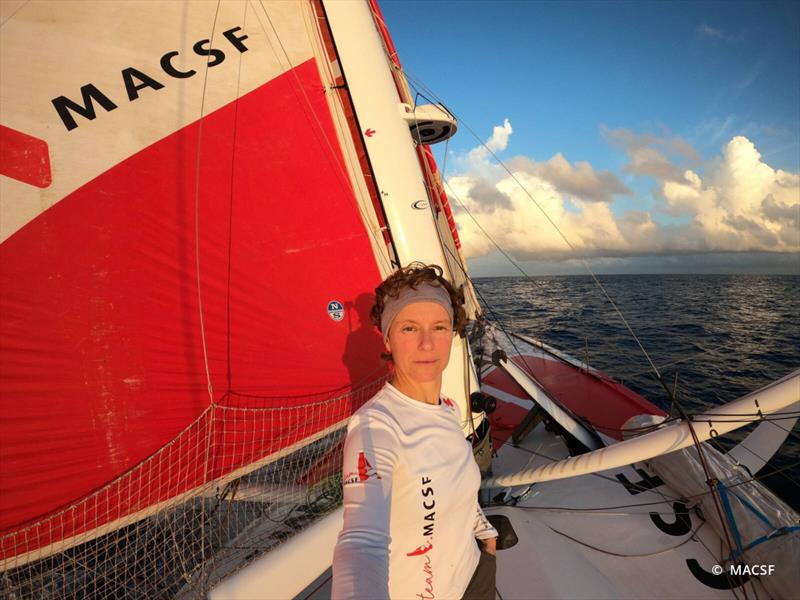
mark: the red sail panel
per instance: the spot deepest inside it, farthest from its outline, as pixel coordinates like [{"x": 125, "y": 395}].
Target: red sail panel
[{"x": 106, "y": 406}]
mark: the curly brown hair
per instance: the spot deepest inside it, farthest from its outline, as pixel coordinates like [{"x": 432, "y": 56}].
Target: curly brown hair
[{"x": 411, "y": 277}]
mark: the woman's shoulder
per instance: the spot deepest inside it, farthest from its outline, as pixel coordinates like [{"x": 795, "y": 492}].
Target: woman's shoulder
[{"x": 378, "y": 411}]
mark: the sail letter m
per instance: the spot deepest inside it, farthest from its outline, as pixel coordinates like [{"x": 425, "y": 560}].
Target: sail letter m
[{"x": 89, "y": 92}]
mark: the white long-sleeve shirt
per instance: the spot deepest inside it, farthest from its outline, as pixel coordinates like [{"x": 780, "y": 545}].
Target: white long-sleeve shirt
[{"x": 411, "y": 513}]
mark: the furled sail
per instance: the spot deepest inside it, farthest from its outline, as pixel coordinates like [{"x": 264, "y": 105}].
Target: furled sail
[{"x": 189, "y": 245}]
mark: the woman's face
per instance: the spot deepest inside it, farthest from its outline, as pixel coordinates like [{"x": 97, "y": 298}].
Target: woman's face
[{"x": 420, "y": 339}]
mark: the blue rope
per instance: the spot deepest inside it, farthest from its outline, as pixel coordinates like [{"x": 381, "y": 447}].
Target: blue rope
[
  {"x": 726, "y": 504},
  {"x": 776, "y": 531},
  {"x": 754, "y": 510},
  {"x": 769, "y": 536}
]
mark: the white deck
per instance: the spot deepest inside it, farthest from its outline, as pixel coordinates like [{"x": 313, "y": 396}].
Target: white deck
[{"x": 603, "y": 552}]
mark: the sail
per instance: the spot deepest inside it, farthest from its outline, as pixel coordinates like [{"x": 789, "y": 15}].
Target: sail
[{"x": 188, "y": 251}]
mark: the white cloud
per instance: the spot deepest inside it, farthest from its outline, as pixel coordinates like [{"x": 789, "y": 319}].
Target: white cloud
[
  {"x": 659, "y": 157},
  {"x": 733, "y": 203},
  {"x": 479, "y": 158},
  {"x": 580, "y": 180}
]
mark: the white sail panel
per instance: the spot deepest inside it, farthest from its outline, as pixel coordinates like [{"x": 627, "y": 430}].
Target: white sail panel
[{"x": 138, "y": 71}]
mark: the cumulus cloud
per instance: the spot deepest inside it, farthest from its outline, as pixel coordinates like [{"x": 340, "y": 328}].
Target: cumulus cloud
[
  {"x": 580, "y": 180},
  {"x": 479, "y": 156},
  {"x": 732, "y": 203},
  {"x": 658, "y": 157}
]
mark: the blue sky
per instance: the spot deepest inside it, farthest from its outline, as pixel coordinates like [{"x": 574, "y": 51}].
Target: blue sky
[{"x": 608, "y": 105}]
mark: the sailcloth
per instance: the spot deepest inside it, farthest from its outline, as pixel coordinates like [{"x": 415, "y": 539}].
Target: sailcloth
[{"x": 188, "y": 251}]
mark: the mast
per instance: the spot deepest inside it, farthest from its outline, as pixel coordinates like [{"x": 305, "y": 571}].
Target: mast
[{"x": 391, "y": 148}]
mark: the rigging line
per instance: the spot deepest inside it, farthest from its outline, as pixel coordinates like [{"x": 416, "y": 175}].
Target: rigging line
[
  {"x": 375, "y": 229},
  {"x": 496, "y": 317},
  {"x": 525, "y": 367},
  {"x": 607, "y": 478},
  {"x": 784, "y": 475},
  {"x": 713, "y": 485},
  {"x": 496, "y": 245},
  {"x": 19, "y": 8},
  {"x": 688, "y": 357},
  {"x": 669, "y": 420},
  {"x": 563, "y": 236},
  {"x": 791, "y": 413},
  {"x": 719, "y": 559},
  {"x": 426, "y": 170},
  {"x": 689, "y": 538},
  {"x": 508, "y": 257},
  {"x": 597, "y": 508},
  {"x": 763, "y": 476},
  {"x": 230, "y": 208},
  {"x": 710, "y": 419},
  {"x": 754, "y": 478},
  {"x": 210, "y": 436},
  {"x": 197, "y": 208},
  {"x": 616, "y": 513},
  {"x": 378, "y": 240}
]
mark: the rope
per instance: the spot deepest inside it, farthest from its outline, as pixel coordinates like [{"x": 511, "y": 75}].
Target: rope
[
  {"x": 726, "y": 503},
  {"x": 19, "y": 8},
  {"x": 689, "y": 537},
  {"x": 210, "y": 436},
  {"x": 766, "y": 538}
]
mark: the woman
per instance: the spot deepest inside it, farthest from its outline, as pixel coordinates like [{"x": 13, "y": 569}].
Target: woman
[{"x": 411, "y": 512}]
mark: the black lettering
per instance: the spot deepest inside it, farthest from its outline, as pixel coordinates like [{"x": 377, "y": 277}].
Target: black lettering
[
  {"x": 236, "y": 41},
  {"x": 682, "y": 524},
  {"x": 647, "y": 482},
  {"x": 133, "y": 89},
  {"x": 218, "y": 55},
  {"x": 426, "y": 480},
  {"x": 89, "y": 92},
  {"x": 723, "y": 581},
  {"x": 427, "y": 491},
  {"x": 169, "y": 69},
  {"x": 427, "y": 529},
  {"x": 430, "y": 516},
  {"x": 426, "y": 507}
]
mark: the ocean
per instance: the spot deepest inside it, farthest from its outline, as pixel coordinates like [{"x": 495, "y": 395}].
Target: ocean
[{"x": 718, "y": 336}]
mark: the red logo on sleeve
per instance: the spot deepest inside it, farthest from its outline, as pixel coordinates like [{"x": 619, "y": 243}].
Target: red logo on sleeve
[
  {"x": 420, "y": 550},
  {"x": 448, "y": 402},
  {"x": 365, "y": 471}
]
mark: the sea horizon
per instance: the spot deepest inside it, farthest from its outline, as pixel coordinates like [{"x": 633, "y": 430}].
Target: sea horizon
[
  {"x": 714, "y": 338},
  {"x": 676, "y": 274}
]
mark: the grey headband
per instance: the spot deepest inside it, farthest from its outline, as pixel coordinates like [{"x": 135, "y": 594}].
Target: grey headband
[{"x": 425, "y": 292}]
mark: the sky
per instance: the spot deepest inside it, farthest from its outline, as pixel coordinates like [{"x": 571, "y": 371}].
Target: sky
[{"x": 636, "y": 137}]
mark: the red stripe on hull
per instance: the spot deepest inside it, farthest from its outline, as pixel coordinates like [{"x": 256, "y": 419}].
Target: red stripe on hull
[
  {"x": 605, "y": 403},
  {"x": 504, "y": 419}
]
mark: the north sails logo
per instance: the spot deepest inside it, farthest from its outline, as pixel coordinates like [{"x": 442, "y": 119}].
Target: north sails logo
[
  {"x": 428, "y": 520},
  {"x": 365, "y": 471},
  {"x": 448, "y": 402}
]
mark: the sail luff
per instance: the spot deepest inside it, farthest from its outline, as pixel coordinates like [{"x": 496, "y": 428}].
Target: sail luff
[{"x": 396, "y": 163}]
